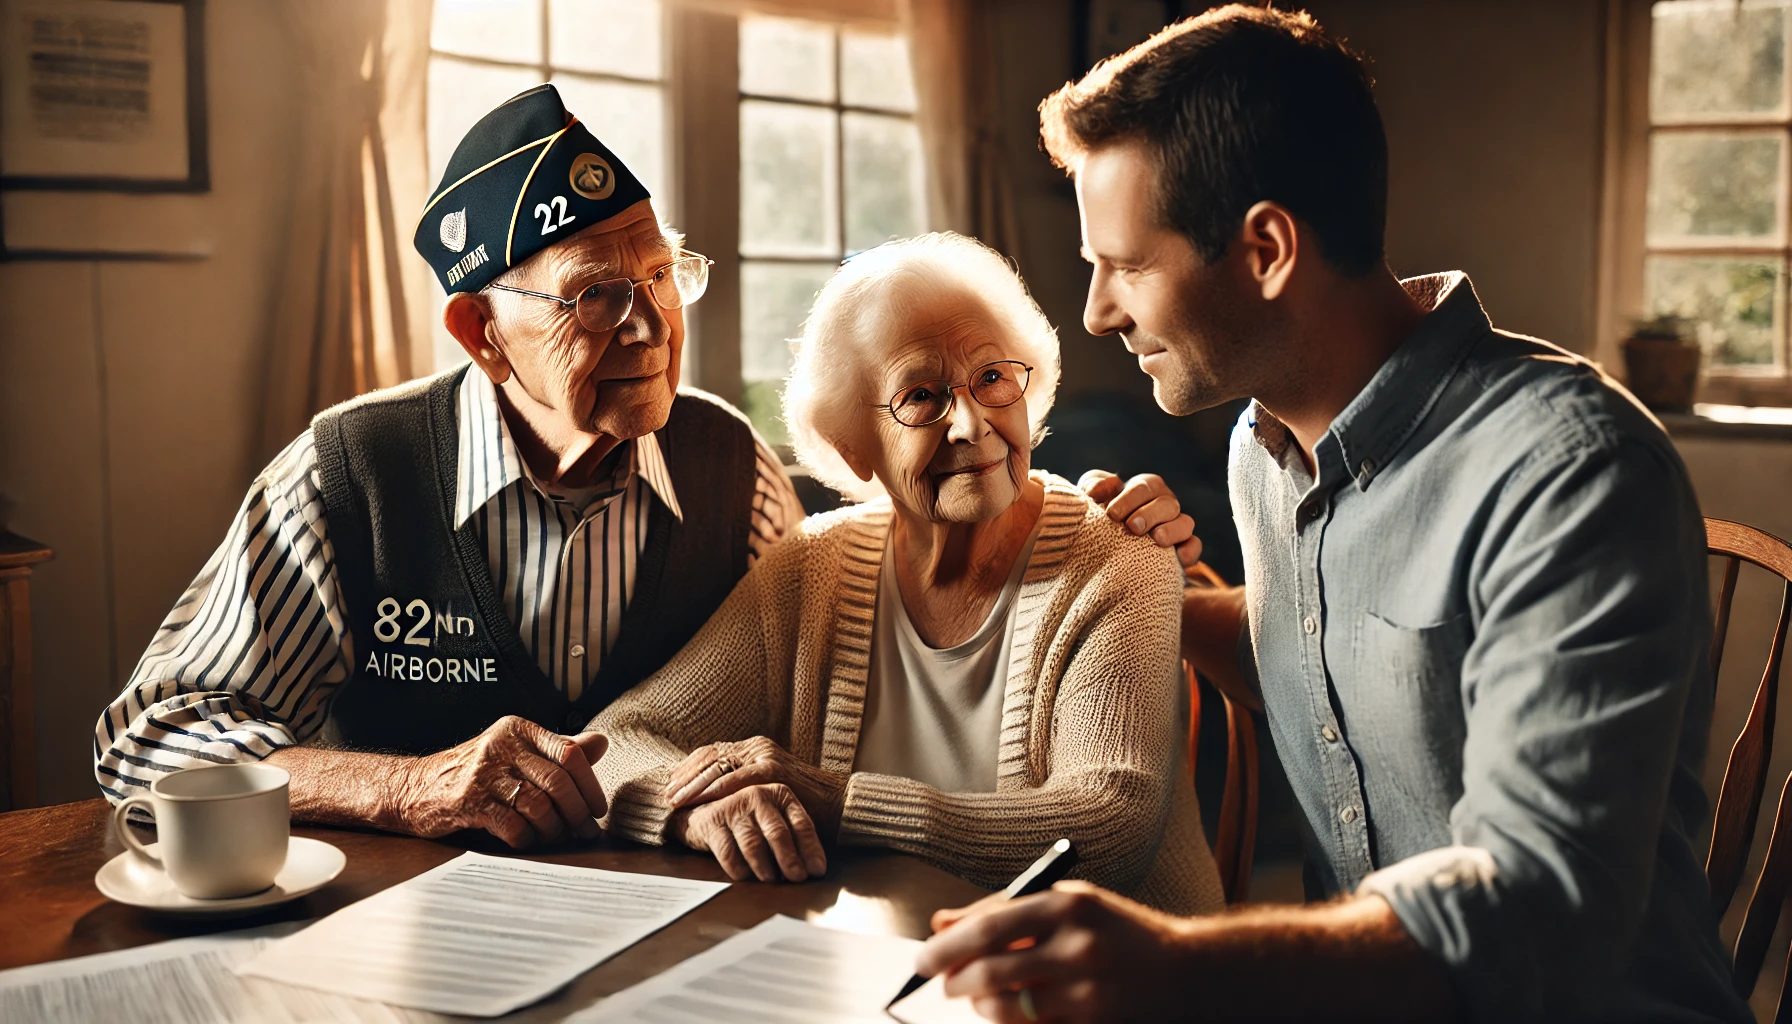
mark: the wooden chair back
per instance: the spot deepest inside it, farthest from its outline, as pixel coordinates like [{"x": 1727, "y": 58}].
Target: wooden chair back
[
  {"x": 1745, "y": 776},
  {"x": 1235, "y": 841}
]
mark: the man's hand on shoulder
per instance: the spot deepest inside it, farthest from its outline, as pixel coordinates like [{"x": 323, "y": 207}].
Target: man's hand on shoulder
[
  {"x": 1145, "y": 506},
  {"x": 516, "y": 780}
]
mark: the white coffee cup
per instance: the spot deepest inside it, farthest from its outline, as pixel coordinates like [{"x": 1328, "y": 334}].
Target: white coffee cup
[{"x": 221, "y": 830}]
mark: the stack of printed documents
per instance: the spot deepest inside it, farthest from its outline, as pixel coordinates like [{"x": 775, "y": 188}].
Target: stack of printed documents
[{"x": 484, "y": 936}]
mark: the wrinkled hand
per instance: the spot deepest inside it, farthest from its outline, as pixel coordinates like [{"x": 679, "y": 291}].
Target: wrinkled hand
[
  {"x": 516, "y": 780},
  {"x": 1085, "y": 953},
  {"x": 721, "y": 769},
  {"x": 1145, "y": 505},
  {"x": 758, "y": 832}
]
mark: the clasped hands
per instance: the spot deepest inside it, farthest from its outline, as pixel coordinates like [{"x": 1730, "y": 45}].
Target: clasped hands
[{"x": 759, "y": 809}]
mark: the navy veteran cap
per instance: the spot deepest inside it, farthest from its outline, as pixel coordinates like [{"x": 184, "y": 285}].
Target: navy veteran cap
[{"x": 526, "y": 176}]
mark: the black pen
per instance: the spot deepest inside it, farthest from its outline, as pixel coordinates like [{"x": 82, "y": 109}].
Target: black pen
[{"x": 1047, "y": 871}]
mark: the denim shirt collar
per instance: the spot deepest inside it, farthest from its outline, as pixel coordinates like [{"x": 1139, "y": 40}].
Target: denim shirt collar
[{"x": 1382, "y": 417}]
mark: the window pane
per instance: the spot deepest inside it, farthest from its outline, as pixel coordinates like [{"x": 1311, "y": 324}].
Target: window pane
[
  {"x": 774, "y": 300},
  {"x": 631, "y": 120},
  {"x": 1717, "y": 57},
  {"x": 788, "y": 181},
  {"x": 884, "y": 197},
  {"x": 617, "y": 37},
  {"x": 1733, "y": 300},
  {"x": 494, "y": 29},
  {"x": 874, "y": 72},
  {"x": 787, "y": 57},
  {"x": 1713, "y": 185},
  {"x": 459, "y": 95}
]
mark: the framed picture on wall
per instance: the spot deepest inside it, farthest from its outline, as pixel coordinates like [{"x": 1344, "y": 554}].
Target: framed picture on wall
[{"x": 103, "y": 95}]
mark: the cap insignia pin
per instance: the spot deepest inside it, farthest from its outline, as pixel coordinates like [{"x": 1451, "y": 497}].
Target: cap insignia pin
[
  {"x": 591, "y": 176},
  {"x": 454, "y": 231}
]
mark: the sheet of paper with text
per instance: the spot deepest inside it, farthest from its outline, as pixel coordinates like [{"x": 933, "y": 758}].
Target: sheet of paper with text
[
  {"x": 184, "y": 981},
  {"x": 785, "y": 972},
  {"x": 479, "y": 935}
]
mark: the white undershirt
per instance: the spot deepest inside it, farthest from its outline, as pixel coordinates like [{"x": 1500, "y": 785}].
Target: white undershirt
[{"x": 935, "y": 714}]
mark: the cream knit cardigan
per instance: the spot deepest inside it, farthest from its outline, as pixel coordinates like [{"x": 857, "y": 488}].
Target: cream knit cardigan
[{"x": 1092, "y": 726}]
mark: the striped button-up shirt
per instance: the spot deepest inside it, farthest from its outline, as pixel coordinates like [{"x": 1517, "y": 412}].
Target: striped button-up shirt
[{"x": 249, "y": 658}]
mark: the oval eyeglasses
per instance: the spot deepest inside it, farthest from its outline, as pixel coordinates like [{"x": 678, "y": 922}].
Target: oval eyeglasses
[
  {"x": 604, "y": 305},
  {"x": 993, "y": 385}
]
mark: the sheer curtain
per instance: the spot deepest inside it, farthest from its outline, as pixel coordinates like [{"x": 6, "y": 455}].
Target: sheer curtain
[
  {"x": 354, "y": 303},
  {"x": 953, "y": 52}
]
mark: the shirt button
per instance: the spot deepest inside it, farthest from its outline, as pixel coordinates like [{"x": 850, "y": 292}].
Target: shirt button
[
  {"x": 1347, "y": 815},
  {"x": 1309, "y": 625},
  {"x": 1330, "y": 734},
  {"x": 578, "y": 650}
]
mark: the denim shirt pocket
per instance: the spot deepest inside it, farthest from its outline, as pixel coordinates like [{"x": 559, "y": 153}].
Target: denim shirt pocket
[{"x": 1405, "y": 721}]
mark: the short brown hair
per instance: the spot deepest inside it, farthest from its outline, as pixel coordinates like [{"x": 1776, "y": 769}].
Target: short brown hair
[{"x": 1241, "y": 104}]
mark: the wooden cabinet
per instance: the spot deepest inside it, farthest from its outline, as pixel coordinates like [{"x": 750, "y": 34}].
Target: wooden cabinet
[{"x": 18, "y": 744}]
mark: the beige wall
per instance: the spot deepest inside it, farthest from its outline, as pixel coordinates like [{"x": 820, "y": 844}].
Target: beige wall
[
  {"x": 127, "y": 394},
  {"x": 1032, "y": 54},
  {"x": 1493, "y": 123}
]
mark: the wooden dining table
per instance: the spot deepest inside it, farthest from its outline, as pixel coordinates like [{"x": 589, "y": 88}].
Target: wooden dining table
[{"x": 50, "y": 910}]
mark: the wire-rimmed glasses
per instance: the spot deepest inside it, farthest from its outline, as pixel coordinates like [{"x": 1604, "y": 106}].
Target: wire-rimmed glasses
[
  {"x": 604, "y": 305},
  {"x": 993, "y": 385}
]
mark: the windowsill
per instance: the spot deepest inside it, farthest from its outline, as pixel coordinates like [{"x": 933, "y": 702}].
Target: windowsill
[{"x": 1742, "y": 422}]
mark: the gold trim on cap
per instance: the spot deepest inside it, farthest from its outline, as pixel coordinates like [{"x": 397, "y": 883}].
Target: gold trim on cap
[
  {"x": 478, "y": 171},
  {"x": 510, "y": 236}
]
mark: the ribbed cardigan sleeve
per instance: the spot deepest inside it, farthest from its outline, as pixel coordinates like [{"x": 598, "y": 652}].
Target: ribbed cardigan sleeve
[
  {"x": 1110, "y": 736},
  {"x": 712, "y": 690}
]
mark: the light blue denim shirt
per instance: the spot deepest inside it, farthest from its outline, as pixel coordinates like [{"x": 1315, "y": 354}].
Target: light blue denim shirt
[{"x": 1481, "y": 634}]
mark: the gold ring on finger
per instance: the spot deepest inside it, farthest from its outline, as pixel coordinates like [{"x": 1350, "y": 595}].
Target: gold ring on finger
[
  {"x": 515, "y": 791},
  {"x": 1027, "y": 1009}
]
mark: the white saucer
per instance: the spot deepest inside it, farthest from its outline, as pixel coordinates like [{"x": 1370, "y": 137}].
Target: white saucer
[{"x": 310, "y": 865}]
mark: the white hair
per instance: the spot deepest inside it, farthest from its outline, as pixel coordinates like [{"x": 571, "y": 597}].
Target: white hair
[{"x": 853, "y": 313}]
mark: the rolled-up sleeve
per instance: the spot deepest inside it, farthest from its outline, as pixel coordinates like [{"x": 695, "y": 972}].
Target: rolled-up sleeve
[
  {"x": 247, "y": 660},
  {"x": 1590, "y": 634}
]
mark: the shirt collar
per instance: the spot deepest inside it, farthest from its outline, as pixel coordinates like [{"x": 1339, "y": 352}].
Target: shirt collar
[
  {"x": 1380, "y": 419},
  {"x": 489, "y": 461}
]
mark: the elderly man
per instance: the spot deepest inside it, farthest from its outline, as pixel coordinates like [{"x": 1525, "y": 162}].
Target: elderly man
[
  {"x": 453, "y": 571},
  {"x": 434, "y": 582},
  {"x": 1474, "y": 600}
]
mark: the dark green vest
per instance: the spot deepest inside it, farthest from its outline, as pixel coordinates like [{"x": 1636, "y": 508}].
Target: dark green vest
[{"x": 436, "y": 659}]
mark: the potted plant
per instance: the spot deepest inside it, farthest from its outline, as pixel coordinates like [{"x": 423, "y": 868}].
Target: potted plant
[{"x": 1661, "y": 361}]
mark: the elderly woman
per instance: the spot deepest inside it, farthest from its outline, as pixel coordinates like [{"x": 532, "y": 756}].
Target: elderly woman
[{"x": 970, "y": 664}]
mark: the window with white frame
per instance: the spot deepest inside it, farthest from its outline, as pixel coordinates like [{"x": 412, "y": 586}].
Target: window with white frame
[
  {"x": 830, "y": 165},
  {"x": 828, "y": 155},
  {"x": 1710, "y": 241}
]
